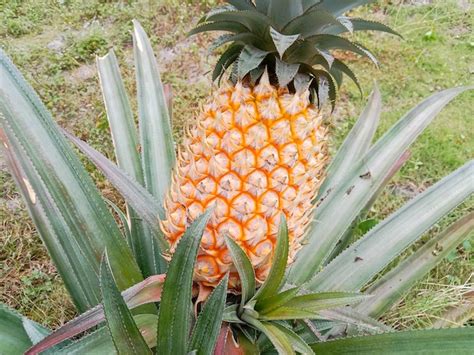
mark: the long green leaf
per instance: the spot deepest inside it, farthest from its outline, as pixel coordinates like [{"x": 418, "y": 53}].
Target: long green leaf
[
  {"x": 269, "y": 304},
  {"x": 354, "y": 267},
  {"x": 226, "y": 59},
  {"x": 241, "y": 38},
  {"x": 336, "y": 213},
  {"x": 306, "y": 52},
  {"x": 54, "y": 169},
  {"x": 309, "y": 331},
  {"x": 366, "y": 25},
  {"x": 347, "y": 237},
  {"x": 278, "y": 338},
  {"x": 349, "y": 316},
  {"x": 14, "y": 338},
  {"x": 310, "y": 23},
  {"x": 120, "y": 116},
  {"x": 283, "y": 11},
  {"x": 229, "y": 314},
  {"x": 35, "y": 331},
  {"x": 157, "y": 147},
  {"x": 126, "y": 143},
  {"x": 244, "y": 268},
  {"x": 324, "y": 300},
  {"x": 285, "y": 72},
  {"x": 124, "y": 220},
  {"x": 296, "y": 341},
  {"x": 282, "y": 42},
  {"x": 338, "y": 67},
  {"x": 253, "y": 21},
  {"x": 356, "y": 144},
  {"x": 394, "y": 284},
  {"x": 249, "y": 59},
  {"x": 207, "y": 327},
  {"x": 18, "y": 333},
  {"x": 227, "y": 26},
  {"x": 275, "y": 277},
  {"x": 75, "y": 269},
  {"x": 242, "y": 4},
  {"x": 262, "y": 5},
  {"x": 439, "y": 341},
  {"x": 356, "y": 24},
  {"x": 215, "y": 10},
  {"x": 308, "y": 306},
  {"x": 100, "y": 342},
  {"x": 124, "y": 331},
  {"x": 137, "y": 196},
  {"x": 145, "y": 292},
  {"x": 338, "y": 7},
  {"x": 327, "y": 41},
  {"x": 175, "y": 307}
]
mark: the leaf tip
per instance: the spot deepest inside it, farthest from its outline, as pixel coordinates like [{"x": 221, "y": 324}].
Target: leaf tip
[{"x": 138, "y": 33}]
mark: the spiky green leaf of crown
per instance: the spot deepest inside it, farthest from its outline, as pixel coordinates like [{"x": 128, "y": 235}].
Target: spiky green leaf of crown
[{"x": 291, "y": 38}]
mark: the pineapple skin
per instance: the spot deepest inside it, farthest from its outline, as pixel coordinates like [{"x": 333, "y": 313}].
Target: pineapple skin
[{"x": 254, "y": 152}]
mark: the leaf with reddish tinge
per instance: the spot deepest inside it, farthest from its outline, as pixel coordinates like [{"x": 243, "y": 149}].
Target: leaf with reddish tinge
[{"x": 147, "y": 291}]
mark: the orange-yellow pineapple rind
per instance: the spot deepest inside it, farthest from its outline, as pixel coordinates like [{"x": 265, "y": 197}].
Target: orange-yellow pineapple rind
[{"x": 253, "y": 153}]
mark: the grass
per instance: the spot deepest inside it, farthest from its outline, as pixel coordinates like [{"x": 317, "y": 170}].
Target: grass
[{"x": 54, "y": 44}]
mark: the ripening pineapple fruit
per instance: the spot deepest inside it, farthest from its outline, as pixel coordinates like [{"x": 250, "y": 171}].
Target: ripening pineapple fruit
[
  {"x": 258, "y": 148},
  {"x": 255, "y": 152}
]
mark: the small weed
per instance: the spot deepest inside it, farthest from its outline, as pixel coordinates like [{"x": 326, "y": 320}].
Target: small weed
[
  {"x": 88, "y": 47},
  {"x": 18, "y": 28},
  {"x": 62, "y": 62},
  {"x": 430, "y": 36},
  {"x": 36, "y": 284}
]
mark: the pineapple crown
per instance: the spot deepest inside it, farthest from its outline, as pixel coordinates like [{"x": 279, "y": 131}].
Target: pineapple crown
[{"x": 294, "y": 40}]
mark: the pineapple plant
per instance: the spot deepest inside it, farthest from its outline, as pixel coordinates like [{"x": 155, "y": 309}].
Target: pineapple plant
[{"x": 171, "y": 274}]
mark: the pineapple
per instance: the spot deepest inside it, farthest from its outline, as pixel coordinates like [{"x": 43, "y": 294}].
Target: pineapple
[
  {"x": 258, "y": 148},
  {"x": 254, "y": 153}
]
